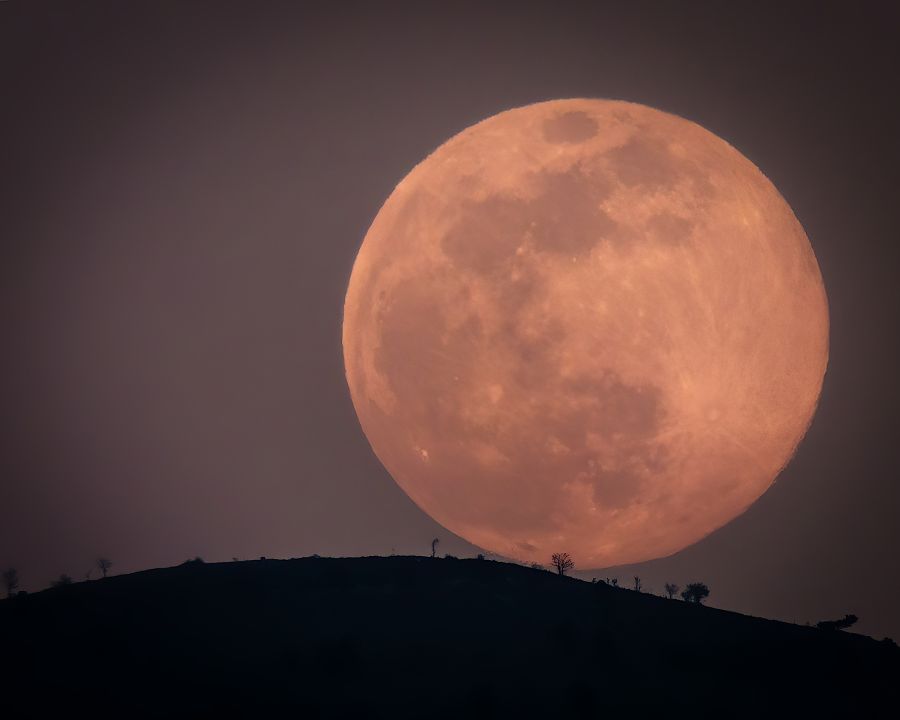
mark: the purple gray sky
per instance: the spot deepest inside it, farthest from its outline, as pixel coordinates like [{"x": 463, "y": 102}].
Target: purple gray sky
[{"x": 184, "y": 187}]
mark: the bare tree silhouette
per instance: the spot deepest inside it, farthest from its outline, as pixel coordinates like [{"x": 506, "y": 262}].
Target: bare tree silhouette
[
  {"x": 695, "y": 593},
  {"x": 11, "y": 581},
  {"x": 671, "y": 589},
  {"x": 841, "y": 624},
  {"x": 562, "y": 562},
  {"x": 104, "y": 564},
  {"x": 637, "y": 584},
  {"x": 434, "y": 544}
]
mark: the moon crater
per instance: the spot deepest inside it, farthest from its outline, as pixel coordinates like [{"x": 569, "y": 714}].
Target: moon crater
[{"x": 570, "y": 127}]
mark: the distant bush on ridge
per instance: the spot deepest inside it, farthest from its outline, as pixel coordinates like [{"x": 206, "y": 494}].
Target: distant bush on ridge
[
  {"x": 562, "y": 562},
  {"x": 841, "y": 624},
  {"x": 695, "y": 593}
]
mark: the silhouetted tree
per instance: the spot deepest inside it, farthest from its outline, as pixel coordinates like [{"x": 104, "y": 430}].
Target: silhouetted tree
[
  {"x": 671, "y": 589},
  {"x": 480, "y": 556},
  {"x": 613, "y": 583},
  {"x": 562, "y": 562},
  {"x": 841, "y": 624},
  {"x": 11, "y": 581},
  {"x": 637, "y": 584},
  {"x": 536, "y": 566},
  {"x": 695, "y": 593},
  {"x": 62, "y": 580},
  {"x": 104, "y": 564},
  {"x": 434, "y": 544}
]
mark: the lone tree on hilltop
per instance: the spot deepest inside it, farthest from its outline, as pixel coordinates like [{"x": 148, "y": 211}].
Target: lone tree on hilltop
[
  {"x": 695, "y": 593},
  {"x": 637, "y": 584},
  {"x": 11, "y": 581},
  {"x": 841, "y": 624},
  {"x": 434, "y": 544},
  {"x": 104, "y": 564},
  {"x": 671, "y": 589},
  {"x": 562, "y": 562}
]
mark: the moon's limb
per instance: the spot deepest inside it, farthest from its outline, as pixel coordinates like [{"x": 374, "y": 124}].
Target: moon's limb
[{"x": 587, "y": 326}]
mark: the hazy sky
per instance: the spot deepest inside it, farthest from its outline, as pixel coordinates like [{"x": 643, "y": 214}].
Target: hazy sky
[{"x": 184, "y": 187}]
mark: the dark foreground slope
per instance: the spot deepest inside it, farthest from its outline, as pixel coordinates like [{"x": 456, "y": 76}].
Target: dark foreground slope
[{"x": 415, "y": 637}]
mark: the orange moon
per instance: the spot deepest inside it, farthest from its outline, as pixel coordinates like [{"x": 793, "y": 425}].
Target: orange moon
[{"x": 585, "y": 326}]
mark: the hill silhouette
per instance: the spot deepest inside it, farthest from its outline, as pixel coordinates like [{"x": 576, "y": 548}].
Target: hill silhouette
[{"x": 416, "y": 637}]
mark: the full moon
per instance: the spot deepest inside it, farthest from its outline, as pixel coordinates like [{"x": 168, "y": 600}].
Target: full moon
[{"x": 585, "y": 326}]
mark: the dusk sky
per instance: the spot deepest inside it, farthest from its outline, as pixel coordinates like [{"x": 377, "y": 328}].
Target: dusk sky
[{"x": 185, "y": 187}]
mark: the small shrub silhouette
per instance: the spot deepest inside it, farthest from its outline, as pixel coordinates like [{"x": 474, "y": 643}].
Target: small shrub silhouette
[
  {"x": 841, "y": 624},
  {"x": 104, "y": 564},
  {"x": 11, "y": 581},
  {"x": 61, "y": 581},
  {"x": 671, "y": 589},
  {"x": 562, "y": 562},
  {"x": 695, "y": 593}
]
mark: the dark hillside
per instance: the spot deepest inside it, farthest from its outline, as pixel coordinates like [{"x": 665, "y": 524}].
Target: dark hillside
[{"x": 416, "y": 637}]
